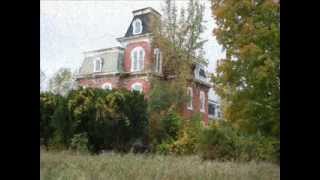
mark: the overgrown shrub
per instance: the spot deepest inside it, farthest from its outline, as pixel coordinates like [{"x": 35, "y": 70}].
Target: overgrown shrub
[
  {"x": 217, "y": 143},
  {"x": 223, "y": 142},
  {"x": 164, "y": 147},
  {"x": 111, "y": 119},
  {"x": 188, "y": 138},
  {"x": 165, "y": 130},
  {"x": 170, "y": 125},
  {"x": 48, "y": 104},
  {"x": 62, "y": 122},
  {"x": 79, "y": 143},
  {"x": 185, "y": 139}
]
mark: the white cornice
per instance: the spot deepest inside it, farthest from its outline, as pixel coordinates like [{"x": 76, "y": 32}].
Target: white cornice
[{"x": 122, "y": 39}]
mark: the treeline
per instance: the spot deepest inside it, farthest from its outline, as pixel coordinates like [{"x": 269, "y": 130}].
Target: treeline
[
  {"x": 96, "y": 120},
  {"x": 93, "y": 120}
]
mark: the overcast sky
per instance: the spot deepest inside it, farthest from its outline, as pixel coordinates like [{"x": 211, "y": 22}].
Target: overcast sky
[{"x": 67, "y": 28}]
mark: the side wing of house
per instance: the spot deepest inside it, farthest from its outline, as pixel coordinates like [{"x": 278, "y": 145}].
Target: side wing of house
[{"x": 100, "y": 68}]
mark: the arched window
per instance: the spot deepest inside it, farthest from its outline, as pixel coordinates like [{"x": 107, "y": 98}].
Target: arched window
[
  {"x": 137, "y": 26},
  {"x": 190, "y": 94},
  {"x": 137, "y": 59},
  {"x": 137, "y": 87},
  {"x": 107, "y": 86},
  {"x": 158, "y": 60},
  {"x": 97, "y": 65},
  {"x": 202, "y": 101}
]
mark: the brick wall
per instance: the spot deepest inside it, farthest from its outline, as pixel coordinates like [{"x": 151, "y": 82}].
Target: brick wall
[
  {"x": 196, "y": 88},
  {"x": 99, "y": 81},
  {"x": 147, "y": 59},
  {"x": 117, "y": 82},
  {"x": 127, "y": 82}
]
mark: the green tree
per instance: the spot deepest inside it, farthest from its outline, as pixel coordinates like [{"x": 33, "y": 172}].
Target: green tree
[
  {"x": 62, "y": 122},
  {"x": 48, "y": 104},
  {"x": 111, "y": 119},
  {"x": 62, "y": 82},
  {"x": 248, "y": 79},
  {"x": 178, "y": 38}
]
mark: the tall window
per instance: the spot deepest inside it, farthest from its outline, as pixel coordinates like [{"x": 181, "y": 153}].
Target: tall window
[
  {"x": 137, "y": 59},
  {"x": 137, "y": 87},
  {"x": 97, "y": 65},
  {"x": 107, "y": 86},
  {"x": 212, "y": 109},
  {"x": 137, "y": 26},
  {"x": 190, "y": 94},
  {"x": 158, "y": 59},
  {"x": 202, "y": 101}
]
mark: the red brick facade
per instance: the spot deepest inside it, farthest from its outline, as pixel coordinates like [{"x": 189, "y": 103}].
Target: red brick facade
[
  {"x": 127, "y": 55},
  {"x": 97, "y": 82},
  {"x": 196, "y": 88}
]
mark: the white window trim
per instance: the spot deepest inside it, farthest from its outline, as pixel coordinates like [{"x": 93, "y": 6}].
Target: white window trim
[
  {"x": 107, "y": 86},
  {"x": 190, "y": 90},
  {"x": 134, "y": 23},
  {"x": 95, "y": 64},
  {"x": 137, "y": 84},
  {"x": 202, "y": 108},
  {"x": 158, "y": 60},
  {"x": 140, "y": 66}
]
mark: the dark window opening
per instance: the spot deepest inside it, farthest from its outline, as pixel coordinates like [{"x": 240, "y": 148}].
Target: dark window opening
[
  {"x": 212, "y": 109},
  {"x": 202, "y": 73}
]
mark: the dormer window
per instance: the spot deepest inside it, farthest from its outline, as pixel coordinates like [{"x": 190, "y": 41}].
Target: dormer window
[
  {"x": 137, "y": 26},
  {"x": 137, "y": 59},
  {"x": 97, "y": 65},
  {"x": 200, "y": 73}
]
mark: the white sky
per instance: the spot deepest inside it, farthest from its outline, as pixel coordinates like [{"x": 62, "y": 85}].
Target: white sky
[{"x": 67, "y": 28}]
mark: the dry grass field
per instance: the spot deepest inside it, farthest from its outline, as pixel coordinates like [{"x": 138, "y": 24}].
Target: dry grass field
[{"x": 112, "y": 166}]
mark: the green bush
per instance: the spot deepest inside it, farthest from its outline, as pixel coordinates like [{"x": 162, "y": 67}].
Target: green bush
[
  {"x": 170, "y": 125},
  {"x": 164, "y": 130},
  {"x": 226, "y": 143},
  {"x": 79, "y": 143},
  {"x": 184, "y": 135},
  {"x": 217, "y": 143},
  {"x": 55, "y": 143},
  {"x": 188, "y": 138},
  {"x": 111, "y": 119},
  {"x": 48, "y": 104},
  {"x": 164, "y": 147}
]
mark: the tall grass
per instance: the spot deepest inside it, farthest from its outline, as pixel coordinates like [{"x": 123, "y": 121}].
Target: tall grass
[{"x": 68, "y": 165}]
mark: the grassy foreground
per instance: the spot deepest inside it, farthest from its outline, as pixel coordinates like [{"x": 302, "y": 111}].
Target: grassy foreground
[{"x": 66, "y": 165}]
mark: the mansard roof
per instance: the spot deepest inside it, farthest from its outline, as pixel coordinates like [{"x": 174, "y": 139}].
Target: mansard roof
[{"x": 145, "y": 15}]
